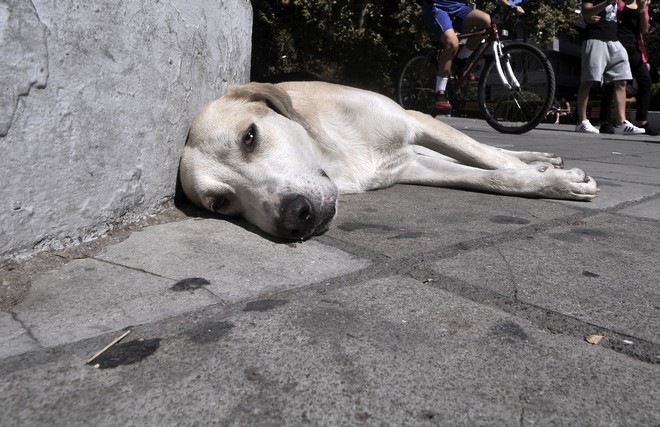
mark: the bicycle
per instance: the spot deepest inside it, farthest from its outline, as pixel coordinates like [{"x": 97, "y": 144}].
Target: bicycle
[{"x": 515, "y": 89}]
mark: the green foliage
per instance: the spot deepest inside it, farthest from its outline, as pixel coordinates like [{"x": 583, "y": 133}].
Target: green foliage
[
  {"x": 543, "y": 19},
  {"x": 359, "y": 42}
]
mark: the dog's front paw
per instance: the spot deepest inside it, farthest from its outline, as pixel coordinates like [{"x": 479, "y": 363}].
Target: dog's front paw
[{"x": 582, "y": 186}]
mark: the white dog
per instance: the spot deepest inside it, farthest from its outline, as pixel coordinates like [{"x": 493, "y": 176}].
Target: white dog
[{"x": 278, "y": 155}]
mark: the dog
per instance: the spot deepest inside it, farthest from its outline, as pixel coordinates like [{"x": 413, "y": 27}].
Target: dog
[{"x": 278, "y": 155}]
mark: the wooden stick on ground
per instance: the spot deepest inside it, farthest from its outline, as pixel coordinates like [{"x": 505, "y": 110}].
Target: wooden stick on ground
[{"x": 116, "y": 340}]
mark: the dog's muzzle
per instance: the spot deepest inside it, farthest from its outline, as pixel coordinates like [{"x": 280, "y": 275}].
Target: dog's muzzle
[{"x": 300, "y": 219}]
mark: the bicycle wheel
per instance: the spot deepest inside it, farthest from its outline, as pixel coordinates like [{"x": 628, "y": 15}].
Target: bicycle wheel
[
  {"x": 517, "y": 110},
  {"x": 416, "y": 83}
]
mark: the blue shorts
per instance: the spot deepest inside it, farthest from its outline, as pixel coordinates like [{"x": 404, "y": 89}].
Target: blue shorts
[{"x": 441, "y": 15}]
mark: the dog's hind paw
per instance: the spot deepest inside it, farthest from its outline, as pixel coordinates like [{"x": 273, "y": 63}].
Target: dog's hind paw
[
  {"x": 538, "y": 158},
  {"x": 533, "y": 157}
]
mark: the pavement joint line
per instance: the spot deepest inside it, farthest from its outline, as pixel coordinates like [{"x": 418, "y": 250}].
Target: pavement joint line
[
  {"x": 496, "y": 239},
  {"x": 628, "y": 203},
  {"x": 464, "y": 290},
  {"x": 27, "y": 330},
  {"x": 545, "y": 319},
  {"x": 412, "y": 266},
  {"x": 353, "y": 249},
  {"x": 551, "y": 320},
  {"x": 618, "y": 207},
  {"x": 140, "y": 270},
  {"x": 448, "y": 251},
  {"x": 626, "y": 181}
]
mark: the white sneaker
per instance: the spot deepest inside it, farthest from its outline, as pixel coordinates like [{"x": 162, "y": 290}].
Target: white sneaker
[
  {"x": 627, "y": 128},
  {"x": 586, "y": 127}
]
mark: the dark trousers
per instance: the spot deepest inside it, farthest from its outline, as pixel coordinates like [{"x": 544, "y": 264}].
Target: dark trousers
[{"x": 640, "y": 73}]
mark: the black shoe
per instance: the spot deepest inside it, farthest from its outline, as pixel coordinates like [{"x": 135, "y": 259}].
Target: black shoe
[
  {"x": 650, "y": 131},
  {"x": 459, "y": 65},
  {"x": 607, "y": 128}
]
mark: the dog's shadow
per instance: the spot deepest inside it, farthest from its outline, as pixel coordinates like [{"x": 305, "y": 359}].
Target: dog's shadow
[{"x": 182, "y": 203}]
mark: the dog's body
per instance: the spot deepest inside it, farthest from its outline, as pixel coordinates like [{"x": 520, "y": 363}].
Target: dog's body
[{"x": 278, "y": 155}]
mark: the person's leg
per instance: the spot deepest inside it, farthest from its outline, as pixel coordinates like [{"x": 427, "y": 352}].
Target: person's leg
[
  {"x": 449, "y": 44},
  {"x": 593, "y": 65},
  {"x": 583, "y": 124},
  {"x": 620, "y": 101},
  {"x": 474, "y": 21},
  {"x": 618, "y": 72},
  {"x": 440, "y": 25},
  {"x": 606, "y": 109},
  {"x": 643, "y": 97},
  {"x": 623, "y": 126},
  {"x": 606, "y": 104},
  {"x": 583, "y": 99}
]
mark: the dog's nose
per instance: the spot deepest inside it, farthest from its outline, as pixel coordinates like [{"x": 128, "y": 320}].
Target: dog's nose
[{"x": 297, "y": 217}]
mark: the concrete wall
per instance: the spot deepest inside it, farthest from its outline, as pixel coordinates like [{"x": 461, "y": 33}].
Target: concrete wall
[{"x": 95, "y": 101}]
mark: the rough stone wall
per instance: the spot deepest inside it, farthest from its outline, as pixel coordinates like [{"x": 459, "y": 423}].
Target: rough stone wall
[{"x": 95, "y": 102}]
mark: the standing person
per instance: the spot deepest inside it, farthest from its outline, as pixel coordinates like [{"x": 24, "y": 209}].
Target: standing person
[
  {"x": 604, "y": 60},
  {"x": 444, "y": 18},
  {"x": 633, "y": 23}
]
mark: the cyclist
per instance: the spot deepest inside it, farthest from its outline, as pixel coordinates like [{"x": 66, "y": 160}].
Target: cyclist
[{"x": 444, "y": 18}]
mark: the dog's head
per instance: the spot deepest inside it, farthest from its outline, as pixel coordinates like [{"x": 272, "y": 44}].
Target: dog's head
[{"x": 251, "y": 154}]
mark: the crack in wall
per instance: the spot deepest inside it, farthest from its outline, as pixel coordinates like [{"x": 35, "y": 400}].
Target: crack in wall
[{"x": 24, "y": 54}]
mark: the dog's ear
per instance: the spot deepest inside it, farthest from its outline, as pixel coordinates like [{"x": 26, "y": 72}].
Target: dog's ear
[{"x": 273, "y": 96}]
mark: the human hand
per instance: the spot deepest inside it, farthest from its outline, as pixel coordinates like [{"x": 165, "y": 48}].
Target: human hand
[
  {"x": 593, "y": 19},
  {"x": 520, "y": 10}
]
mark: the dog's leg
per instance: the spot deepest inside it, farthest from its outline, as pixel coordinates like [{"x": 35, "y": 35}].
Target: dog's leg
[
  {"x": 530, "y": 181},
  {"x": 437, "y": 136}
]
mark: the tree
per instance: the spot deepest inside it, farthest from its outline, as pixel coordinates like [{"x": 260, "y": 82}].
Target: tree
[
  {"x": 362, "y": 42},
  {"x": 359, "y": 42},
  {"x": 544, "y": 19}
]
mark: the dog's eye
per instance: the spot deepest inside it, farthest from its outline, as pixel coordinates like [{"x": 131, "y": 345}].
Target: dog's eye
[
  {"x": 219, "y": 203},
  {"x": 248, "y": 138}
]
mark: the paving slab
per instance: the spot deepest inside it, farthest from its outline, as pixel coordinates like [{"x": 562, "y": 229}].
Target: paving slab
[
  {"x": 391, "y": 351},
  {"x": 14, "y": 337},
  {"x": 86, "y": 298},
  {"x": 425, "y": 218},
  {"x": 236, "y": 262},
  {"x": 650, "y": 210},
  {"x": 621, "y": 173},
  {"x": 601, "y": 271},
  {"x": 613, "y": 192}
]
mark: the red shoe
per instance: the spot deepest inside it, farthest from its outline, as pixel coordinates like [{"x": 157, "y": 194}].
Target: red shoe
[{"x": 441, "y": 102}]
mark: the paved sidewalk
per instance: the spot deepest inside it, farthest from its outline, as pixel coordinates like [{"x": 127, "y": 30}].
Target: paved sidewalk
[{"x": 420, "y": 306}]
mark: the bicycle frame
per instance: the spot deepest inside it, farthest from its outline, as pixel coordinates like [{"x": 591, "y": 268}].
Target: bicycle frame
[{"x": 492, "y": 39}]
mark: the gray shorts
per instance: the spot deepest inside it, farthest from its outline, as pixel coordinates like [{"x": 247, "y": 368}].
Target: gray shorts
[{"x": 604, "y": 62}]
